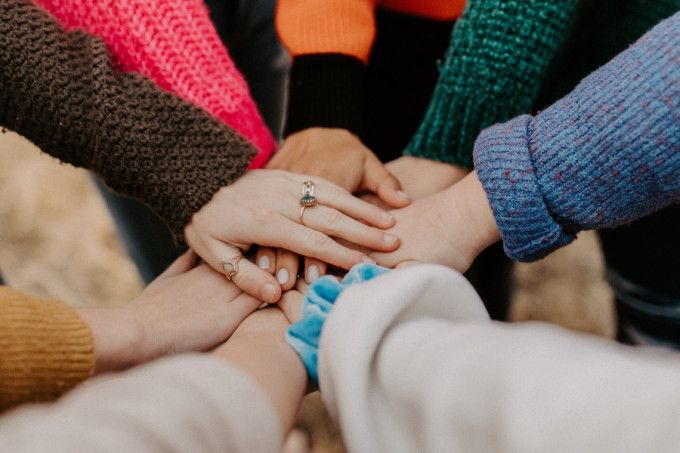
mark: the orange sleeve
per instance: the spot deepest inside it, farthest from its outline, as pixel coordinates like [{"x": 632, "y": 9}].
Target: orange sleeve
[
  {"x": 444, "y": 10},
  {"x": 344, "y": 27},
  {"x": 45, "y": 349}
]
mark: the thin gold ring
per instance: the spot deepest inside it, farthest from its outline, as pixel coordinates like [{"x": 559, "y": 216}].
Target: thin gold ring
[
  {"x": 230, "y": 267},
  {"x": 302, "y": 213}
]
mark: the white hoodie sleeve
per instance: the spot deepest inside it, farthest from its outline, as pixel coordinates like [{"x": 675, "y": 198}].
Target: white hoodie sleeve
[
  {"x": 190, "y": 403},
  {"x": 410, "y": 362}
]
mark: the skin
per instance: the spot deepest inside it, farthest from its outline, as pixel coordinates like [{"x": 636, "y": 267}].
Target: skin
[
  {"x": 258, "y": 347},
  {"x": 458, "y": 223},
  {"x": 338, "y": 156},
  {"x": 262, "y": 208},
  {"x": 185, "y": 309}
]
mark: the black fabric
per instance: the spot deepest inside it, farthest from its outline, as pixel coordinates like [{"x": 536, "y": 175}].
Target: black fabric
[
  {"x": 326, "y": 90},
  {"x": 402, "y": 73}
]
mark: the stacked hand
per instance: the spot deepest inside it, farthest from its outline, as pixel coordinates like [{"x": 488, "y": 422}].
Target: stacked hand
[
  {"x": 450, "y": 227},
  {"x": 263, "y": 207},
  {"x": 339, "y": 157}
]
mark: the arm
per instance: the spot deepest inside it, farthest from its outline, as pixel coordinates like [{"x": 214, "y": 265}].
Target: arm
[
  {"x": 498, "y": 55},
  {"x": 60, "y": 91},
  {"x": 606, "y": 154},
  {"x": 243, "y": 398},
  {"x": 173, "y": 43},
  {"x": 47, "y": 347},
  {"x": 422, "y": 369}
]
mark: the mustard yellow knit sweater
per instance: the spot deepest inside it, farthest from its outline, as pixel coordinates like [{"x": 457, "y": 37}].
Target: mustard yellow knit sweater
[{"x": 45, "y": 349}]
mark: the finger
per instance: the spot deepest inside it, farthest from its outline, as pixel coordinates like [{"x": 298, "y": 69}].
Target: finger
[
  {"x": 336, "y": 224},
  {"x": 184, "y": 263},
  {"x": 302, "y": 286},
  {"x": 266, "y": 259},
  {"x": 328, "y": 194},
  {"x": 308, "y": 242},
  {"x": 250, "y": 278},
  {"x": 381, "y": 182},
  {"x": 291, "y": 304},
  {"x": 314, "y": 269},
  {"x": 286, "y": 268}
]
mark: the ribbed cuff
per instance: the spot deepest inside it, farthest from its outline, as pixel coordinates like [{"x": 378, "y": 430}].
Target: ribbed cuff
[
  {"x": 326, "y": 90},
  {"x": 45, "y": 349},
  {"x": 504, "y": 167}
]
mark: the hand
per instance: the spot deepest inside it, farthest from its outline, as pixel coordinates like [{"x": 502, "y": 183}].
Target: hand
[
  {"x": 185, "y": 309},
  {"x": 262, "y": 207},
  {"x": 340, "y": 157},
  {"x": 422, "y": 177},
  {"x": 450, "y": 227}
]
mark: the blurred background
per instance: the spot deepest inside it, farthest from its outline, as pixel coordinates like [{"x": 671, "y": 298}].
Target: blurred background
[{"x": 57, "y": 239}]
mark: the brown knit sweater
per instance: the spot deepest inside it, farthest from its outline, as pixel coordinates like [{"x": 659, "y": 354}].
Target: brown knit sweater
[{"x": 60, "y": 91}]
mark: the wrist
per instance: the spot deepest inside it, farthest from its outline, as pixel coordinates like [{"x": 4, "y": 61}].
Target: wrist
[
  {"x": 118, "y": 338},
  {"x": 474, "y": 210}
]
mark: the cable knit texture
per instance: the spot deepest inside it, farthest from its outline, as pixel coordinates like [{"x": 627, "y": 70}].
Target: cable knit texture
[
  {"x": 498, "y": 54},
  {"x": 174, "y": 43},
  {"x": 606, "y": 154},
  {"x": 45, "y": 349},
  {"x": 60, "y": 91}
]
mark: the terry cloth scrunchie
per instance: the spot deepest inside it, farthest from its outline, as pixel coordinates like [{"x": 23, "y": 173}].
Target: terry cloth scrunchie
[{"x": 304, "y": 335}]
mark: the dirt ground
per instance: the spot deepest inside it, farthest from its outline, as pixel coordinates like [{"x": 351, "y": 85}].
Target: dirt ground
[{"x": 57, "y": 239}]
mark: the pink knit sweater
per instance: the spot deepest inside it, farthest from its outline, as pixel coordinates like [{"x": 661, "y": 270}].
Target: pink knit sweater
[{"x": 174, "y": 43}]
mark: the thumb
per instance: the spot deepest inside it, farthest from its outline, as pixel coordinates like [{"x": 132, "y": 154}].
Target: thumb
[{"x": 381, "y": 182}]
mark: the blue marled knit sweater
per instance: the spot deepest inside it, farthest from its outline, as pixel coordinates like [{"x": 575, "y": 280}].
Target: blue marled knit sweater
[{"x": 606, "y": 154}]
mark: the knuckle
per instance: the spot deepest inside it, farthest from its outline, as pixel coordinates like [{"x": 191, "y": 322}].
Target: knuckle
[
  {"x": 320, "y": 241},
  {"x": 333, "y": 218}
]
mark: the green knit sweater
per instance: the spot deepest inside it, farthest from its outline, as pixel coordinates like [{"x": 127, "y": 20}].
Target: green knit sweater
[
  {"x": 503, "y": 53},
  {"x": 497, "y": 57}
]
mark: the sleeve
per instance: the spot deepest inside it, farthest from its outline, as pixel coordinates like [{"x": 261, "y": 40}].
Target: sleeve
[
  {"x": 180, "y": 404},
  {"x": 497, "y": 57},
  {"x": 330, "y": 42},
  {"x": 173, "y": 43},
  {"x": 60, "y": 91},
  {"x": 423, "y": 369},
  {"x": 606, "y": 154},
  {"x": 45, "y": 349}
]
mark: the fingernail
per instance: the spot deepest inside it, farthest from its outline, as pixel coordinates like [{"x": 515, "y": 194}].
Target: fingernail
[
  {"x": 312, "y": 273},
  {"x": 368, "y": 260},
  {"x": 264, "y": 262},
  {"x": 389, "y": 238},
  {"x": 282, "y": 276},
  {"x": 268, "y": 292},
  {"x": 401, "y": 194},
  {"x": 387, "y": 216}
]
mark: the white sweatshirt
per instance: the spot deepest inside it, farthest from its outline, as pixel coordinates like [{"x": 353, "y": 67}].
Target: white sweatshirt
[{"x": 408, "y": 362}]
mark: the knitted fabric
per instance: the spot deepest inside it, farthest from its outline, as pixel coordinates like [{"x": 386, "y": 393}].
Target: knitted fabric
[
  {"x": 601, "y": 30},
  {"x": 174, "y": 43},
  {"x": 45, "y": 349},
  {"x": 606, "y": 154},
  {"x": 499, "y": 52},
  {"x": 346, "y": 27},
  {"x": 59, "y": 90}
]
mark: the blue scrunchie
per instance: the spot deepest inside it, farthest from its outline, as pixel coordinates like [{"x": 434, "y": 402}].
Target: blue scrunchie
[{"x": 303, "y": 336}]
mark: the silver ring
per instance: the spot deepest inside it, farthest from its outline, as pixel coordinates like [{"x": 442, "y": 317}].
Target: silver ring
[{"x": 231, "y": 267}]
